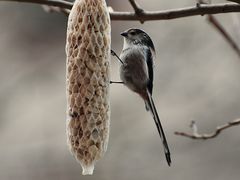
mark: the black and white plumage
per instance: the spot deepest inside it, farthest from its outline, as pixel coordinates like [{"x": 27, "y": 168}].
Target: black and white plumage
[{"x": 136, "y": 72}]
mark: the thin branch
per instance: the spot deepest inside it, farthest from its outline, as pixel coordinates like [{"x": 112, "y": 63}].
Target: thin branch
[
  {"x": 236, "y": 1},
  {"x": 56, "y": 3},
  {"x": 177, "y": 13},
  {"x": 219, "y": 129},
  {"x": 224, "y": 33},
  {"x": 220, "y": 28},
  {"x": 138, "y": 10},
  {"x": 150, "y": 15},
  {"x": 50, "y": 9}
]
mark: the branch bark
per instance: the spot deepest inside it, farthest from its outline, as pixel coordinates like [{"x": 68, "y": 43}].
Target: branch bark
[
  {"x": 236, "y": 1},
  {"x": 196, "y": 135},
  {"x": 150, "y": 15},
  {"x": 224, "y": 33},
  {"x": 50, "y": 9},
  {"x": 138, "y": 10},
  {"x": 56, "y": 3},
  {"x": 136, "y": 7},
  {"x": 176, "y": 13}
]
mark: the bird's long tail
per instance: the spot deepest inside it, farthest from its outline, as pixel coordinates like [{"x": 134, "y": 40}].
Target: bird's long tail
[{"x": 151, "y": 106}]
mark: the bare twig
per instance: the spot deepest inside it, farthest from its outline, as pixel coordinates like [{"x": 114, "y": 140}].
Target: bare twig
[
  {"x": 150, "y": 15},
  {"x": 236, "y": 1},
  {"x": 219, "y": 129},
  {"x": 50, "y": 9},
  {"x": 220, "y": 28},
  {"x": 176, "y": 13},
  {"x": 56, "y": 3},
  {"x": 224, "y": 33},
  {"x": 138, "y": 10}
]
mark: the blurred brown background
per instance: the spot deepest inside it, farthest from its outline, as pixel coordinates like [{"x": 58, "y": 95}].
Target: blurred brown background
[{"x": 197, "y": 77}]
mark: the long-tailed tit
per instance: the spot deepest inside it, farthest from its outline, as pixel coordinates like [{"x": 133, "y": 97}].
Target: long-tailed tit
[{"x": 136, "y": 72}]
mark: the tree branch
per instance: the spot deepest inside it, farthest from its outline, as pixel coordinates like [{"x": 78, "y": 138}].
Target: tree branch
[
  {"x": 224, "y": 33},
  {"x": 50, "y": 9},
  {"x": 196, "y": 135},
  {"x": 150, "y": 15},
  {"x": 138, "y": 10},
  {"x": 176, "y": 13},
  {"x": 236, "y": 1},
  {"x": 56, "y": 3}
]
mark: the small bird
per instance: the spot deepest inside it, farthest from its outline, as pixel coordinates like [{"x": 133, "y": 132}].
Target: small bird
[{"x": 136, "y": 72}]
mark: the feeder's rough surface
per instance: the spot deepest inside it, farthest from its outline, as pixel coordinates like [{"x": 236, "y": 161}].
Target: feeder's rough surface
[{"x": 88, "y": 54}]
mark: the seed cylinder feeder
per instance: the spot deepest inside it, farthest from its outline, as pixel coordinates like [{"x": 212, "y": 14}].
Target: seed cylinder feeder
[{"x": 87, "y": 79}]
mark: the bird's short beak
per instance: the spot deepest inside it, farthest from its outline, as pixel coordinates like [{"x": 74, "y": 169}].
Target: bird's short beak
[{"x": 124, "y": 34}]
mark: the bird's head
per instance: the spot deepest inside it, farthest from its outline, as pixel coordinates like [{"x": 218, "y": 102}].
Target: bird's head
[{"x": 138, "y": 37}]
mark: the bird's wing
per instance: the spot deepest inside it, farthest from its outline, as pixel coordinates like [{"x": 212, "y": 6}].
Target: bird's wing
[{"x": 149, "y": 58}]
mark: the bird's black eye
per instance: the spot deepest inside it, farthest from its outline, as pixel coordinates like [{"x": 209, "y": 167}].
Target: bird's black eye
[{"x": 133, "y": 33}]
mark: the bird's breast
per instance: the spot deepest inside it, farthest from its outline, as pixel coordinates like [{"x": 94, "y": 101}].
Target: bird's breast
[{"x": 133, "y": 71}]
